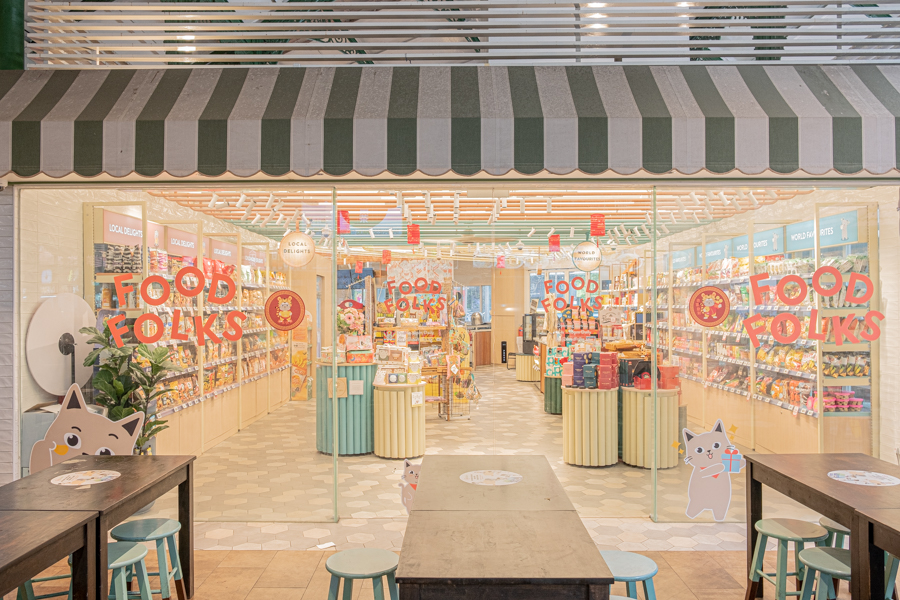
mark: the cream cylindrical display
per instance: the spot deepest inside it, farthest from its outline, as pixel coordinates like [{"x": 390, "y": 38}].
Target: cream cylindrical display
[
  {"x": 590, "y": 427},
  {"x": 399, "y": 424},
  {"x": 525, "y": 368},
  {"x": 637, "y": 427}
]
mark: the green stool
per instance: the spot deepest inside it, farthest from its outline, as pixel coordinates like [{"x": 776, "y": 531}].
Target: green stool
[
  {"x": 837, "y": 533},
  {"x": 26, "y": 590},
  {"x": 125, "y": 558},
  {"x": 362, "y": 563},
  {"x": 783, "y": 530},
  {"x": 161, "y": 531},
  {"x": 630, "y": 568}
]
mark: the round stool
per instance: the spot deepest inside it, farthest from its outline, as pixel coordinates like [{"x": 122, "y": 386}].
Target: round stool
[
  {"x": 783, "y": 530},
  {"x": 837, "y": 533},
  {"x": 630, "y": 568},
  {"x": 122, "y": 558},
  {"x": 362, "y": 563},
  {"x": 161, "y": 531},
  {"x": 829, "y": 564}
]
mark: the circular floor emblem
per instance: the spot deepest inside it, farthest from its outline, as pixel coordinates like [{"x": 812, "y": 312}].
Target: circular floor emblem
[
  {"x": 79, "y": 478},
  {"x": 864, "y": 478},
  {"x": 491, "y": 477},
  {"x": 709, "y": 306}
]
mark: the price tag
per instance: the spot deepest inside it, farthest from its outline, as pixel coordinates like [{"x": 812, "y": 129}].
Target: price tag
[{"x": 796, "y": 410}]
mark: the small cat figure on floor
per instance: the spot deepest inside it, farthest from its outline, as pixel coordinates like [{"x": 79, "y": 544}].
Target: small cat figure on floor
[
  {"x": 710, "y": 484},
  {"x": 409, "y": 480},
  {"x": 410, "y": 473},
  {"x": 76, "y": 431}
]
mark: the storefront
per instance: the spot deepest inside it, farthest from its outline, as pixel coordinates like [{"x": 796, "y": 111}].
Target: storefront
[{"x": 450, "y": 306}]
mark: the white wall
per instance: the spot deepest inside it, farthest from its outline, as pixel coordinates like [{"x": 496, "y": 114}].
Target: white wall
[{"x": 801, "y": 208}]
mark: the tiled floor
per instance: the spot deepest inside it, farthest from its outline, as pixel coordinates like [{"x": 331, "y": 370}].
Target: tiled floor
[
  {"x": 267, "y": 488},
  {"x": 301, "y": 575},
  {"x": 271, "y": 471}
]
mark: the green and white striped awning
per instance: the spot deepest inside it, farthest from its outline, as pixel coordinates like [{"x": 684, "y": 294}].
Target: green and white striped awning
[{"x": 465, "y": 120}]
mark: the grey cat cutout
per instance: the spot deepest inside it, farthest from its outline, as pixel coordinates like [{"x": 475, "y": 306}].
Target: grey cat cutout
[{"x": 710, "y": 484}]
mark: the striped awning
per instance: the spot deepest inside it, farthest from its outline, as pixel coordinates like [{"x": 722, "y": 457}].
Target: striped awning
[{"x": 465, "y": 120}]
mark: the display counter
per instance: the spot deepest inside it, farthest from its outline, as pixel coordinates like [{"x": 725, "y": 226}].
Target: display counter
[
  {"x": 526, "y": 368},
  {"x": 590, "y": 426},
  {"x": 400, "y": 420},
  {"x": 638, "y": 426},
  {"x": 553, "y": 394},
  {"x": 355, "y": 410}
]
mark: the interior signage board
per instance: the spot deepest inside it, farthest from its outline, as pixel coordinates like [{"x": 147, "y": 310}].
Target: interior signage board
[{"x": 833, "y": 231}]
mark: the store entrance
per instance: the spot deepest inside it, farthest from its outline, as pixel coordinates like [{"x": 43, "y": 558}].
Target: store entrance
[{"x": 515, "y": 321}]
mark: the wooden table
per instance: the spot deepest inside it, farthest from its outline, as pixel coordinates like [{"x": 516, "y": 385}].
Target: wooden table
[
  {"x": 143, "y": 479},
  {"x": 879, "y": 531},
  {"x": 33, "y": 540},
  {"x": 521, "y": 541},
  {"x": 804, "y": 478}
]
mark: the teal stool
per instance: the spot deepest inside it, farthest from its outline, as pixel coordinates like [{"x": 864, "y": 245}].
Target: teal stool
[
  {"x": 630, "y": 568},
  {"x": 837, "y": 533},
  {"x": 26, "y": 590},
  {"x": 124, "y": 558},
  {"x": 362, "y": 563},
  {"x": 785, "y": 531},
  {"x": 161, "y": 531}
]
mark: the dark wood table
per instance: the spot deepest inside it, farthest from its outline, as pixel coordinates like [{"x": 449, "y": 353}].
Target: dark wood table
[
  {"x": 32, "y": 540},
  {"x": 879, "y": 531},
  {"x": 804, "y": 479},
  {"x": 522, "y": 541},
  {"x": 143, "y": 479}
]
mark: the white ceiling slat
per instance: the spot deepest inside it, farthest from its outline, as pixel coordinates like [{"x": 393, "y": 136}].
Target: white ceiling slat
[{"x": 158, "y": 34}]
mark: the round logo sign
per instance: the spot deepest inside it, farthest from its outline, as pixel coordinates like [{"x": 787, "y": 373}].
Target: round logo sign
[
  {"x": 586, "y": 256},
  {"x": 709, "y": 306},
  {"x": 285, "y": 310},
  {"x": 491, "y": 477},
  {"x": 79, "y": 478},
  {"x": 297, "y": 249}
]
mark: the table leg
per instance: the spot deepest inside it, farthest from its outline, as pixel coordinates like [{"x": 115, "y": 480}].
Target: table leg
[
  {"x": 867, "y": 562},
  {"x": 84, "y": 565},
  {"x": 102, "y": 557},
  {"x": 754, "y": 514},
  {"x": 185, "y": 587}
]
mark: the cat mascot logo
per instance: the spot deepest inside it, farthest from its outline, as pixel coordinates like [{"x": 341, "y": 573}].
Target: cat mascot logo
[
  {"x": 713, "y": 459},
  {"x": 76, "y": 431}
]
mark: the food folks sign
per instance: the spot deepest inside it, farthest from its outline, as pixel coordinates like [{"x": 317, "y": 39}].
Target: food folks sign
[
  {"x": 841, "y": 326},
  {"x": 203, "y": 328},
  {"x": 562, "y": 288}
]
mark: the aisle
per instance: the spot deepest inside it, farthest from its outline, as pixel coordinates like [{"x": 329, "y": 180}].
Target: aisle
[{"x": 271, "y": 472}]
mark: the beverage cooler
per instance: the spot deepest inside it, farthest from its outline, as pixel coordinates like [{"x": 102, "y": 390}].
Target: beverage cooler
[{"x": 532, "y": 329}]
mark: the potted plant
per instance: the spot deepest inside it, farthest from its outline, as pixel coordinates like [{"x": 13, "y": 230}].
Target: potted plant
[{"x": 127, "y": 381}]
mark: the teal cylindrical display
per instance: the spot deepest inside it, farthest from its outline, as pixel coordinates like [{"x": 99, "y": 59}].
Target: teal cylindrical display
[{"x": 355, "y": 412}]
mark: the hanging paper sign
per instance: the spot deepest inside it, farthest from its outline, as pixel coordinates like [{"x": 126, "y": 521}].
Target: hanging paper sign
[
  {"x": 709, "y": 306},
  {"x": 359, "y": 267},
  {"x": 554, "y": 243},
  {"x": 343, "y": 222},
  {"x": 598, "y": 225},
  {"x": 501, "y": 262},
  {"x": 285, "y": 310},
  {"x": 386, "y": 257},
  {"x": 586, "y": 257},
  {"x": 297, "y": 249},
  {"x": 412, "y": 234}
]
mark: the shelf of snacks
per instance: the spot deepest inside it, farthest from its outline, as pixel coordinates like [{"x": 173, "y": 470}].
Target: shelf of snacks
[{"x": 779, "y": 379}]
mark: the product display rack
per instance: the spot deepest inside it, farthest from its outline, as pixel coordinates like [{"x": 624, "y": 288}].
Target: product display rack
[
  {"x": 221, "y": 408},
  {"x": 764, "y": 422}
]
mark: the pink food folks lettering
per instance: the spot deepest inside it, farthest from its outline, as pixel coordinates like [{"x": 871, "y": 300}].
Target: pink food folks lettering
[
  {"x": 562, "y": 288},
  {"x": 840, "y": 325}
]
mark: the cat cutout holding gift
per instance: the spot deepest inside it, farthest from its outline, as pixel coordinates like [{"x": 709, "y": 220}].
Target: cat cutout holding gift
[
  {"x": 76, "y": 431},
  {"x": 713, "y": 459},
  {"x": 410, "y": 479}
]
